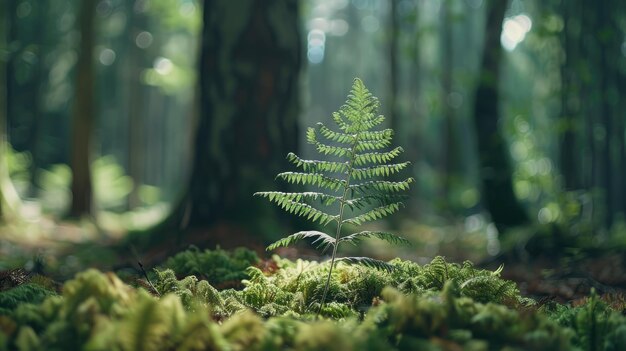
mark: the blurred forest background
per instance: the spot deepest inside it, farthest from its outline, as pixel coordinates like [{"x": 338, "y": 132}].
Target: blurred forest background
[{"x": 152, "y": 122}]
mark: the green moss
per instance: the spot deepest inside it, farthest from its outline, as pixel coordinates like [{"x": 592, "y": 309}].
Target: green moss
[
  {"x": 297, "y": 286},
  {"x": 29, "y": 292},
  {"x": 414, "y": 307},
  {"x": 412, "y": 321},
  {"x": 216, "y": 266}
]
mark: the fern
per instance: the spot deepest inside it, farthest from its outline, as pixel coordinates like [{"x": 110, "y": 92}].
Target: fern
[
  {"x": 29, "y": 292},
  {"x": 352, "y": 181},
  {"x": 595, "y": 324}
]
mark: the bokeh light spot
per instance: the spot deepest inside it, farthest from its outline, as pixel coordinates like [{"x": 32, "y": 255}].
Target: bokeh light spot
[
  {"x": 514, "y": 31},
  {"x": 143, "y": 40},
  {"x": 163, "y": 66},
  {"x": 107, "y": 57}
]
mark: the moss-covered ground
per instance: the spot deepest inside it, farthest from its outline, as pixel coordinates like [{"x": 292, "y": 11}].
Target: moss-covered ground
[{"x": 232, "y": 300}]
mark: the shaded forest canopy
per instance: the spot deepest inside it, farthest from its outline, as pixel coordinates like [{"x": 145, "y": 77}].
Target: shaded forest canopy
[
  {"x": 134, "y": 133},
  {"x": 165, "y": 116}
]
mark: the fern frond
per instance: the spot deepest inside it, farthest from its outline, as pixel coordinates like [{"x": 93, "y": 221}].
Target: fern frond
[
  {"x": 278, "y": 197},
  {"x": 317, "y": 179},
  {"x": 366, "y": 124},
  {"x": 367, "y": 262},
  {"x": 378, "y": 171},
  {"x": 381, "y": 185},
  {"x": 340, "y": 121},
  {"x": 350, "y": 145},
  {"x": 332, "y": 150},
  {"x": 374, "y": 199},
  {"x": 372, "y": 145},
  {"x": 338, "y": 137},
  {"x": 308, "y": 211},
  {"x": 385, "y": 134},
  {"x": 361, "y": 99},
  {"x": 311, "y": 137},
  {"x": 377, "y": 157},
  {"x": 317, "y": 166},
  {"x": 355, "y": 238},
  {"x": 322, "y": 239},
  {"x": 374, "y": 214}
]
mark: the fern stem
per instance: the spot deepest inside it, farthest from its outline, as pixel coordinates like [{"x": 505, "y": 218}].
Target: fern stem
[{"x": 342, "y": 205}]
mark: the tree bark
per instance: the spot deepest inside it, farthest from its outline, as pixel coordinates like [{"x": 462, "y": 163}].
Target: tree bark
[
  {"x": 83, "y": 116},
  {"x": 249, "y": 67},
  {"x": 495, "y": 167}
]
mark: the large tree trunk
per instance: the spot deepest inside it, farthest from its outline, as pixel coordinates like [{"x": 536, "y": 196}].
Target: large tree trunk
[
  {"x": 249, "y": 66},
  {"x": 592, "y": 151},
  {"x": 495, "y": 167},
  {"x": 83, "y": 116}
]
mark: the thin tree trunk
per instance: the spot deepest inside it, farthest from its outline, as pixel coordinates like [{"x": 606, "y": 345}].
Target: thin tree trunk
[
  {"x": 83, "y": 116},
  {"x": 495, "y": 167},
  {"x": 136, "y": 101},
  {"x": 393, "y": 64},
  {"x": 570, "y": 114},
  {"x": 605, "y": 147},
  {"x": 448, "y": 154}
]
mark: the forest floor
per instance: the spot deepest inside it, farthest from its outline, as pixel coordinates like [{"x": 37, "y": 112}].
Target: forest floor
[{"x": 70, "y": 247}]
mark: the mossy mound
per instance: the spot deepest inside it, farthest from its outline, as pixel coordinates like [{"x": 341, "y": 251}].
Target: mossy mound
[
  {"x": 97, "y": 311},
  {"x": 295, "y": 288},
  {"x": 218, "y": 267},
  {"x": 439, "y": 306}
]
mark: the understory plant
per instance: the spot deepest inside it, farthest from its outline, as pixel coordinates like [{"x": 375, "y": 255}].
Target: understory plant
[{"x": 352, "y": 182}]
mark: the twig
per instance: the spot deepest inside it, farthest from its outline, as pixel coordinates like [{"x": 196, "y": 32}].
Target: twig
[{"x": 145, "y": 275}]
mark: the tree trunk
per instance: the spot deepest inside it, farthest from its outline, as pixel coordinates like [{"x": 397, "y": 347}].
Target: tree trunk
[
  {"x": 136, "y": 101},
  {"x": 495, "y": 167},
  {"x": 249, "y": 66},
  {"x": 449, "y": 159},
  {"x": 83, "y": 116},
  {"x": 569, "y": 161},
  {"x": 9, "y": 199},
  {"x": 394, "y": 33}
]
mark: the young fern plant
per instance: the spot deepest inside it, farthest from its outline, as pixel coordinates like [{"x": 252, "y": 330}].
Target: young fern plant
[{"x": 353, "y": 181}]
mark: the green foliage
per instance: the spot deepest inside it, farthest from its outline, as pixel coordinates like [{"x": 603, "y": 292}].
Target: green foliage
[
  {"x": 415, "y": 322},
  {"x": 351, "y": 179},
  {"x": 295, "y": 289},
  {"x": 596, "y": 326},
  {"x": 18, "y": 165},
  {"x": 430, "y": 307},
  {"x": 32, "y": 293},
  {"x": 111, "y": 185},
  {"x": 98, "y": 312},
  {"x": 217, "y": 266}
]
